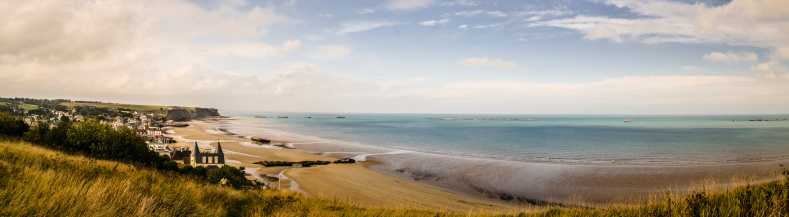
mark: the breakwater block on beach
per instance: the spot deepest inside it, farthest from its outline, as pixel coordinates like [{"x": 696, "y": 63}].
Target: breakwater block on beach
[{"x": 261, "y": 140}]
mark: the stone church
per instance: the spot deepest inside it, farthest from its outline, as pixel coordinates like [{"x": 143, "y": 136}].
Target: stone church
[{"x": 207, "y": 159}]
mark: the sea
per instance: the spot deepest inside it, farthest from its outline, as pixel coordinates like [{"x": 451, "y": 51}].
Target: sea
[{"x": 545, "y": 138}]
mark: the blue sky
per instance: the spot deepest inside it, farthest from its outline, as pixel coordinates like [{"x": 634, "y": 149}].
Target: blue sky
[{"x": 404, "y": 56}]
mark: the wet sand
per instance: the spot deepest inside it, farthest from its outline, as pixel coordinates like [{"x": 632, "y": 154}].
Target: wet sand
[
  {"x": 584, "y": 185},
  {"x": 354, "y": 183}
]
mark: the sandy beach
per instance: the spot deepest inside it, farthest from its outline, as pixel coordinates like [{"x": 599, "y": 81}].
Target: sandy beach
[
  {"x": 462, "y": 184},
  {"x": 354, "y": 183}
]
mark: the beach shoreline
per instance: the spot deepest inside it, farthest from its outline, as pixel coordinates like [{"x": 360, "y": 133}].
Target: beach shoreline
[
  {"x": 534, "y": 183},
  {"x": 355, "y": 183}
]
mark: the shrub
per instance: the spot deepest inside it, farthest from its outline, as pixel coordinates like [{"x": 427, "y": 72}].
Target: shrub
[
  {"x": 234, "y": 176},
  {"x": 11, "y": 126}
]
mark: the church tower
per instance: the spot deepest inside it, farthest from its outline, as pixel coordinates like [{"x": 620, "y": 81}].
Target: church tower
[
  {"x": 195, "y": 155},
  {"x": 219, "y": 154}
]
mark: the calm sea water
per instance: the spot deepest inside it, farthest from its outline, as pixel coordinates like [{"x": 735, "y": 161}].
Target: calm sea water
[{"x": 647, "y": 139}]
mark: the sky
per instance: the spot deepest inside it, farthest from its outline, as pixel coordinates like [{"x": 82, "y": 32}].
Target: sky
[{"x": 404, "y": 56}]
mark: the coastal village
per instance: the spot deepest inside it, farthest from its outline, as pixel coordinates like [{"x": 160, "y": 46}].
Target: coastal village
[
  {"x": 153, "y": 127},
  {"x": 157, "y": 126}
]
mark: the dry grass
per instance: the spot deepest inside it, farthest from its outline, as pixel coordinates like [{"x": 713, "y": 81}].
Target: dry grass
[{"x": 35, "y": 181}]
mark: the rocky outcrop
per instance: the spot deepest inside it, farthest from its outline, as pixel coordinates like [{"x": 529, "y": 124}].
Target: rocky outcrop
[{"x": 184, "y": 114}]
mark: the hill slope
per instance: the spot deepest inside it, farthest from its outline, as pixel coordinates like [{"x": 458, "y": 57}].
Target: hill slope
[{"x": 35, "y": 181}]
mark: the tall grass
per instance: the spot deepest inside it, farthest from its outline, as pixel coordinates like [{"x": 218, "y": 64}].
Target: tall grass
[{"x": 35, "y": 181}]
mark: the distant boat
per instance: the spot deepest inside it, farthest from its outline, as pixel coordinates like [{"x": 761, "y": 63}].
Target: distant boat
[
  {"x": 260, "y": 116},
  {"x": 627, "y": 121},
  {"x": 340, "y": 117},
  {"x": 282, "y": 117}
]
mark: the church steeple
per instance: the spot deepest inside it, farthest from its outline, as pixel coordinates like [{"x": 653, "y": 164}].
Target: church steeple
[
  {"x": 221, "y": 156},
  {"x": 218, "y": 147},
  {"x": 195, "y": 150}
]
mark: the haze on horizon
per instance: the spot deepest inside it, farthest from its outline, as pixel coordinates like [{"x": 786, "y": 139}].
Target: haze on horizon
[{"x": 404, "y": 56}]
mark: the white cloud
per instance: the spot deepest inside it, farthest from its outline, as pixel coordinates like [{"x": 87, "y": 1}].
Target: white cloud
[
  {"x": 407, "y": 5},
  {"x": 542, "y": 13},
  {"x": 769, "y": 69},
  {"x": 740, "y": 22},
  {"x": 363, "y": 25},
  {"x": 434, "y": 22},
  {"x": 521, "y": 14},
  {"x": 240, "y": 49},
  {"x": 496, "y": 14},
  {"x": 603, "y": 31},
  {"x": 290, "y": 46},
  {"x": 479, "y": 62},
  {"x": 780, "y": 53},
  {"x": 469, "y": 13},
  {"x": 485, "y": 26},
  {"x": 460, "y": 3},
  {"x": 327, "y": 52},
  {"x": 694, "y": 69},
  {"x": 153, "y": 52},
  {"x": 730, "y": 57},
  {"x": 314, "y": 38},
  {"x": 464, "y": 26},
  {"x": 366, "y": 11}
]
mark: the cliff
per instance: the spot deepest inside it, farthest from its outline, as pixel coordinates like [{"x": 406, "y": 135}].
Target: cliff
[{"x": 186, "y": 114}]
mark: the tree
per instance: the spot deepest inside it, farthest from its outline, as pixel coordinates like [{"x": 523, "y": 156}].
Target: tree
[
  {"x": 187, "y": 170},
  {"x": 233, "y": 175},
  {"x": 38, "y": 134},
  {"x": 11, "y": 126},
  {"x": 200, "y": 171},
  {"x": 170, "y": 165},
  {"x": 61, "y": 108},
  {"x": 65, "y": 119},
  {"x": 5, "y": 108}
]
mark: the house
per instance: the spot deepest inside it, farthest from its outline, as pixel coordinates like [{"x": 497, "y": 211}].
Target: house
[
  {"x": 162, "y": 149},
  {"x": 181, "y": 156},
  {"x": 154, "y": 131},
  {"x": 208, "y": 159}
]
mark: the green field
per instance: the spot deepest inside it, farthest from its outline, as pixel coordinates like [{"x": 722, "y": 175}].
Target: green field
[
  {"x": 160, "y": 110},
  {"x": 27, "y": 106}
]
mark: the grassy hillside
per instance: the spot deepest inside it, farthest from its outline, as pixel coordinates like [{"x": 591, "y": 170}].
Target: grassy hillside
[
  {"x": 160, "y": 110},
  {"x": 35, "y": 181}
]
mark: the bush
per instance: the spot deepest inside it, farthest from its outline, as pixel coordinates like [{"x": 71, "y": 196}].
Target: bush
[
  {"x": 234, "y": 176},
  {"x": 310, "y": 163},
  {"x": 187, "y": 170},
  {"x": 274, "y": 163},
  {"x": 200, "y": 171},
  {"x": 345, "y": 161},
  {"x": 11, "y": 126}
]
